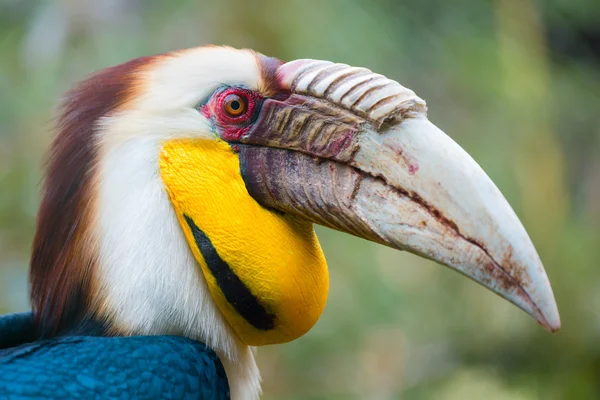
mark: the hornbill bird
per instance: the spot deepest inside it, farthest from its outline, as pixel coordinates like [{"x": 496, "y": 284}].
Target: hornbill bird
[{"x": 175, "y": 231}]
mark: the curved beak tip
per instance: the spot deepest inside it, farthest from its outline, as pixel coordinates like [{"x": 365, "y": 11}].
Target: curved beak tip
[
  {"x": 554, "y": 327},
  {"x": 549, "y": 317},
  {"x": 534, "y": 294}
]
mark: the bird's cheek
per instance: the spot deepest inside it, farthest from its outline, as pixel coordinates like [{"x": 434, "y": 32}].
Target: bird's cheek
[{"x": 265, "y": 271}]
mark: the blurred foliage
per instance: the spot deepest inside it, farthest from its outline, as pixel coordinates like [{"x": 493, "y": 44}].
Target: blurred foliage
[{"x": 515, "y": 82}]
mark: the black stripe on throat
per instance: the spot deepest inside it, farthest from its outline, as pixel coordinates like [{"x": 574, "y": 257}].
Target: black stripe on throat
[{"x": 234, "y": 290}]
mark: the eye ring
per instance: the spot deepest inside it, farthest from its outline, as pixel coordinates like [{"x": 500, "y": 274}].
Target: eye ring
[{"x": 235, "y": 105}]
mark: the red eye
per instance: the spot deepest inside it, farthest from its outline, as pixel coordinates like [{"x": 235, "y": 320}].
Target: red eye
[
  {"x": 233, "y": 110},
  {"x": 235, "y": 105}
]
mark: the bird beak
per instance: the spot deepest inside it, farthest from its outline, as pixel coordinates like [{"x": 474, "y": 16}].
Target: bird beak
[{"x": 354, "y": 151}]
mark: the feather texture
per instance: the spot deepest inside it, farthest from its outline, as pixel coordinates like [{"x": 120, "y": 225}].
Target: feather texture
[{"x": 96, "y": 367}]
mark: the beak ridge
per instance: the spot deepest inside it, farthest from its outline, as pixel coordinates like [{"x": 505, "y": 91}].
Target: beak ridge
[{"x": 371, "y": 96}]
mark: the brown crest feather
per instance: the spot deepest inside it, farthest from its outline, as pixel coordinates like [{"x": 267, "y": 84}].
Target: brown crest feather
[
  {"x": 268, "y": 69},
  {"x": 64, "y": 254}
]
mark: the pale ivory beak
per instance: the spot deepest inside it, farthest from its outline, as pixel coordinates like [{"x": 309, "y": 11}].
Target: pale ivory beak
[{"x": 354, "y": 151}]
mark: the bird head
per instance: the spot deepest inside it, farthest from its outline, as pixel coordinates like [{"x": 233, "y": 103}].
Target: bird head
[{"x": 182, "y": 190}]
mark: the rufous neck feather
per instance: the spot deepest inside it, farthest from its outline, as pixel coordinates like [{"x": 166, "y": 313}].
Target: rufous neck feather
[{"x": 64, "y": 253}]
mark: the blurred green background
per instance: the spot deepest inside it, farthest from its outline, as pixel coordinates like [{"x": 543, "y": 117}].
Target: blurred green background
[{"x": 515, "y": 82}]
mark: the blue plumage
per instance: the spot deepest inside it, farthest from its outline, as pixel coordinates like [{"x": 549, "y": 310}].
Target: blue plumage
[{"x": 97, "y": 367}]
